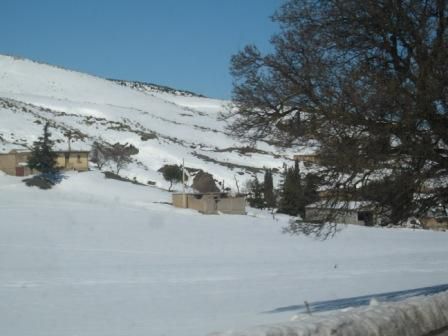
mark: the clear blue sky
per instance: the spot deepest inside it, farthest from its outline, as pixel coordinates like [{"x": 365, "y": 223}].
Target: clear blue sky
[{"x": 185, "y": 44}]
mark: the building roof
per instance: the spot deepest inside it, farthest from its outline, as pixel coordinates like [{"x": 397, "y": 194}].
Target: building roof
[
  {"x": 72, "y": 151},
  {"x": 26, "y": 151},
  {"x": 340, "y": 205},
  {"x": 219, "y": 194}
]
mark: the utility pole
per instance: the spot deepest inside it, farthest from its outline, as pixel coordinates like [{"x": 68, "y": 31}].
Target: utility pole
[
  {"x": 183, "y": 176},
  {"x": 184, "y": 196}
]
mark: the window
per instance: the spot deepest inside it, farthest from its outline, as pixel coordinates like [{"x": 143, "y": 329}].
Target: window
[{"x": 366, "y": 217}]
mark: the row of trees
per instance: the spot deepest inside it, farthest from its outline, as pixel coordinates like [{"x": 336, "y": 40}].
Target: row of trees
[
  {"x": 116, "y": 155},
  {"x": 294, "y": 193}
]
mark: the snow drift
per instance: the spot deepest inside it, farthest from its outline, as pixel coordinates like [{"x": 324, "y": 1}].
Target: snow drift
[{"x": 421, "y": 316}]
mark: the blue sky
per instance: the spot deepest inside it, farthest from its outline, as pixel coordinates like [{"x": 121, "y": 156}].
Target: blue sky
[{"x": 185, "y": 44}]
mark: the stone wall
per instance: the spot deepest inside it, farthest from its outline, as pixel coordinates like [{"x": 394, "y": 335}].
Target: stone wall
[
  {"x": 74, "y": 161},
  {"x": 212, "y": 203},
  {"x": 8, "y": 163}
]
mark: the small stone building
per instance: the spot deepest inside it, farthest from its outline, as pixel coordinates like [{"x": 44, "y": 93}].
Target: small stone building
[
  {"x": 360, "y": 213},
  {"x": 15, "y": 162},
  {"x": 307, "y": 158},
  {"x": 211, "y": 203},
  {"x": 436, "y": 218},
  {"x": 73, "y": 160},
  {"x": 434, "y": 223}
]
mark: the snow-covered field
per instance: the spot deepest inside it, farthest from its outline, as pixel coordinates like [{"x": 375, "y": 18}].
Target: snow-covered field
[{"x": 97, "y": 257}]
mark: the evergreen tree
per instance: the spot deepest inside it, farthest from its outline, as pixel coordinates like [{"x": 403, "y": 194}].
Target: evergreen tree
[
  {"x": 255, "y": 199},
  {"x": 310, "y": 194},
  {"x": 268, "y": 187},
  {"x": 43, "y": 158},
  {"x": 292, "y": 195}
]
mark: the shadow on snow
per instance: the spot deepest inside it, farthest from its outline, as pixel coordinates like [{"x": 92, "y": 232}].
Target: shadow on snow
[{"x": 359, "y": 301}]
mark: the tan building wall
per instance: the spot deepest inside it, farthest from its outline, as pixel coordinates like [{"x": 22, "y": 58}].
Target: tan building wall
[
  {"x": 8, "y": 163},
  {"x": 343, "y": 217},
  {"x": 435, "y": 223},
  {"x": 179, "y": 200},
  {"x": 15, "y": 163},
  {"x": 339, "y": 216},
  {"x": 73, "y": 161},
  {"x": 311, "y": 158},
  {"x": 232, "y": 205},
  {"x": 212, "y": 203},
  {"x": 206, "y": 204}
]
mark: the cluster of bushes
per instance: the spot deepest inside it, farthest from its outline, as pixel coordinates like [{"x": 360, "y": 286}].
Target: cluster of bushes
[
  {"x": 117, "y": 155},
  {"x": 172, "y": 174}
]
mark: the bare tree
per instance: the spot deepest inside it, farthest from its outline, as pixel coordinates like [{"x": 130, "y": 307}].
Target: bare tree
[
  {"x": 368, "y": 80},
  {"x": 119, "y": 155},
  {"x": 99, "y": 154}
]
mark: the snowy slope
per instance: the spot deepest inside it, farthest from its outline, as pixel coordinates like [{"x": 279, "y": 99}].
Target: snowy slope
[
  {"x": 97, "y": 257},
  {"x": 166, "y": 126}
]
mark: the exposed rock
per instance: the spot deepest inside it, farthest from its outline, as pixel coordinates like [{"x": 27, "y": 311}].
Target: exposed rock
[{"x": 204, "y": 183}]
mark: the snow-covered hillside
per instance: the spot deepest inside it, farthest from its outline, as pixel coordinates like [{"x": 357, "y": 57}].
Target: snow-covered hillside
[
  {"x": 165, "y": 125},
  {"x": 97, "y": 257}
]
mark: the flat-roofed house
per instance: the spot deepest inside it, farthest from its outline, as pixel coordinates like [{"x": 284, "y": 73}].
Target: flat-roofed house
[
  {"x": 307, "y": 158},
  {"x": 211, "y": 203},
  {"x": 16, "y": 161},
  {"x": 352, "y": 212},
  {"x": 73, "y": 160},
  {"x": 436, "y": 218}
]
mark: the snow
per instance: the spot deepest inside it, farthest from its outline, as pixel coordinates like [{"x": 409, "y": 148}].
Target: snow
[
  {"x": 184, "y": 127},
  {"x": 413, "y": 317},
  {"x": 95, "y": 256},
  {"x": 100, "y": 257},
  {"x": 351, "y": 205}
]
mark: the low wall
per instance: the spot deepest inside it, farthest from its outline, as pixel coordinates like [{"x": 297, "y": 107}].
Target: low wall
[
  {"x": 8, "y": 164},
  {"x": 204, "y": 204},
  {"x": 420, "y": 316},
  {"x": 434, "y": 223},
  {"x": 179, "y": 200},
  {"x": 213, "y": 203},
  {"x": 73, "y": 161},
  {"x": 232, "y": 205},
  {"x": 343, "y": 217}
]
